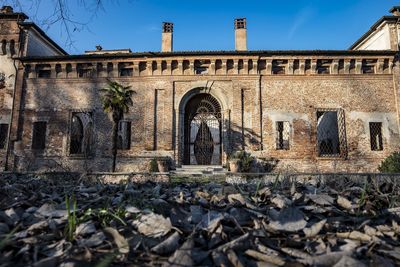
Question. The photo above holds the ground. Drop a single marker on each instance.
(69, 221)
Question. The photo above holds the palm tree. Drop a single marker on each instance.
(116, 99)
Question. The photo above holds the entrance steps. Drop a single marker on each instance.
(199, 170)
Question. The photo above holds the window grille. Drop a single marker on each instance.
(81, 136)
(124, 135)
(3, 135)
(282, 135)
(39, 135)
(375, 131)
(331, 133)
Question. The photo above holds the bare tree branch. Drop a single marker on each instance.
(61, 13)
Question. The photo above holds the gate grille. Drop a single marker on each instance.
(202, 131)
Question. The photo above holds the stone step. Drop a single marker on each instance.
(199, 170)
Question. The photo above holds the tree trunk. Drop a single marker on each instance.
(117, 115)
(114, 144)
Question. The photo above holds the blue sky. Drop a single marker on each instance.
(208, 25)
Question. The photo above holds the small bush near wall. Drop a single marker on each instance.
(153, 165)
(391, 164)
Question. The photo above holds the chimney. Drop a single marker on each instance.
(6, 10)
(167, 30)
(395, 11)
(240, 34)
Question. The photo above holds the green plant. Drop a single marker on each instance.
(105, 215)
(6, 239)
(390, 164)
(245, 160)
(70, 228)
(153, 165)
(116, 99)
(275, 184)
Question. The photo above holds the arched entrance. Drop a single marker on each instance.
(202, 131)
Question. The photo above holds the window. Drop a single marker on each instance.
(85, 70)
(375, 132)
(43, 71)
(3, 47)
(279, 66)
(3, 135)
(125, 69)
(124, 135)
(39, 135)
(282, 135)
(331, 134)
(81, 133)
(368, 66)
(201, 67)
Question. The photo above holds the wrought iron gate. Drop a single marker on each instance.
(202, 131)
(205, 138)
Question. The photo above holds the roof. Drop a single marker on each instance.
(111, 51)
(265, 53)
(14, 16)
(395, 8)
(44, 35)
(374, 27)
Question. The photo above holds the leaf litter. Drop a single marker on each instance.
(258, 223)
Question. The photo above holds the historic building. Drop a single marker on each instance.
(308, 111)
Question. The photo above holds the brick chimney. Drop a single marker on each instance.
(167, 37)
(240, 34)
(395, 11)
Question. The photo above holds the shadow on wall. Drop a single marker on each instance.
(246, 139)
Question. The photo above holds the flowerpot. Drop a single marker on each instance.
(234, 166)
(162, 165)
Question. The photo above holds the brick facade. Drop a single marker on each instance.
(255, 90)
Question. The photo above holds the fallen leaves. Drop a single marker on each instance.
(261, 223)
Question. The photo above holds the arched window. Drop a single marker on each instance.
(81, 133)
(76, 135)
(3, 47)
(12, 47)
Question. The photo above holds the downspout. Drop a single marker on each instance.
(21, 47)
(261, 112)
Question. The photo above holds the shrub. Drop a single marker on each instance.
(153, 165)
(391, 164)
(245, 160)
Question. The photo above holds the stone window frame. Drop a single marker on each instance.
(342, 133)
(92, 149)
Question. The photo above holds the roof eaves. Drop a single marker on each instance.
(265, 53)
(372, 29)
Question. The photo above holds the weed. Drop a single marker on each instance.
(105, 216)
(70, 228)
(4, 242)
(275, 184)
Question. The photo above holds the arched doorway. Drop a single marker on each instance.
(202, 131)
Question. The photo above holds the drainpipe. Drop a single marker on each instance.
(21, 47)
(261, 112)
